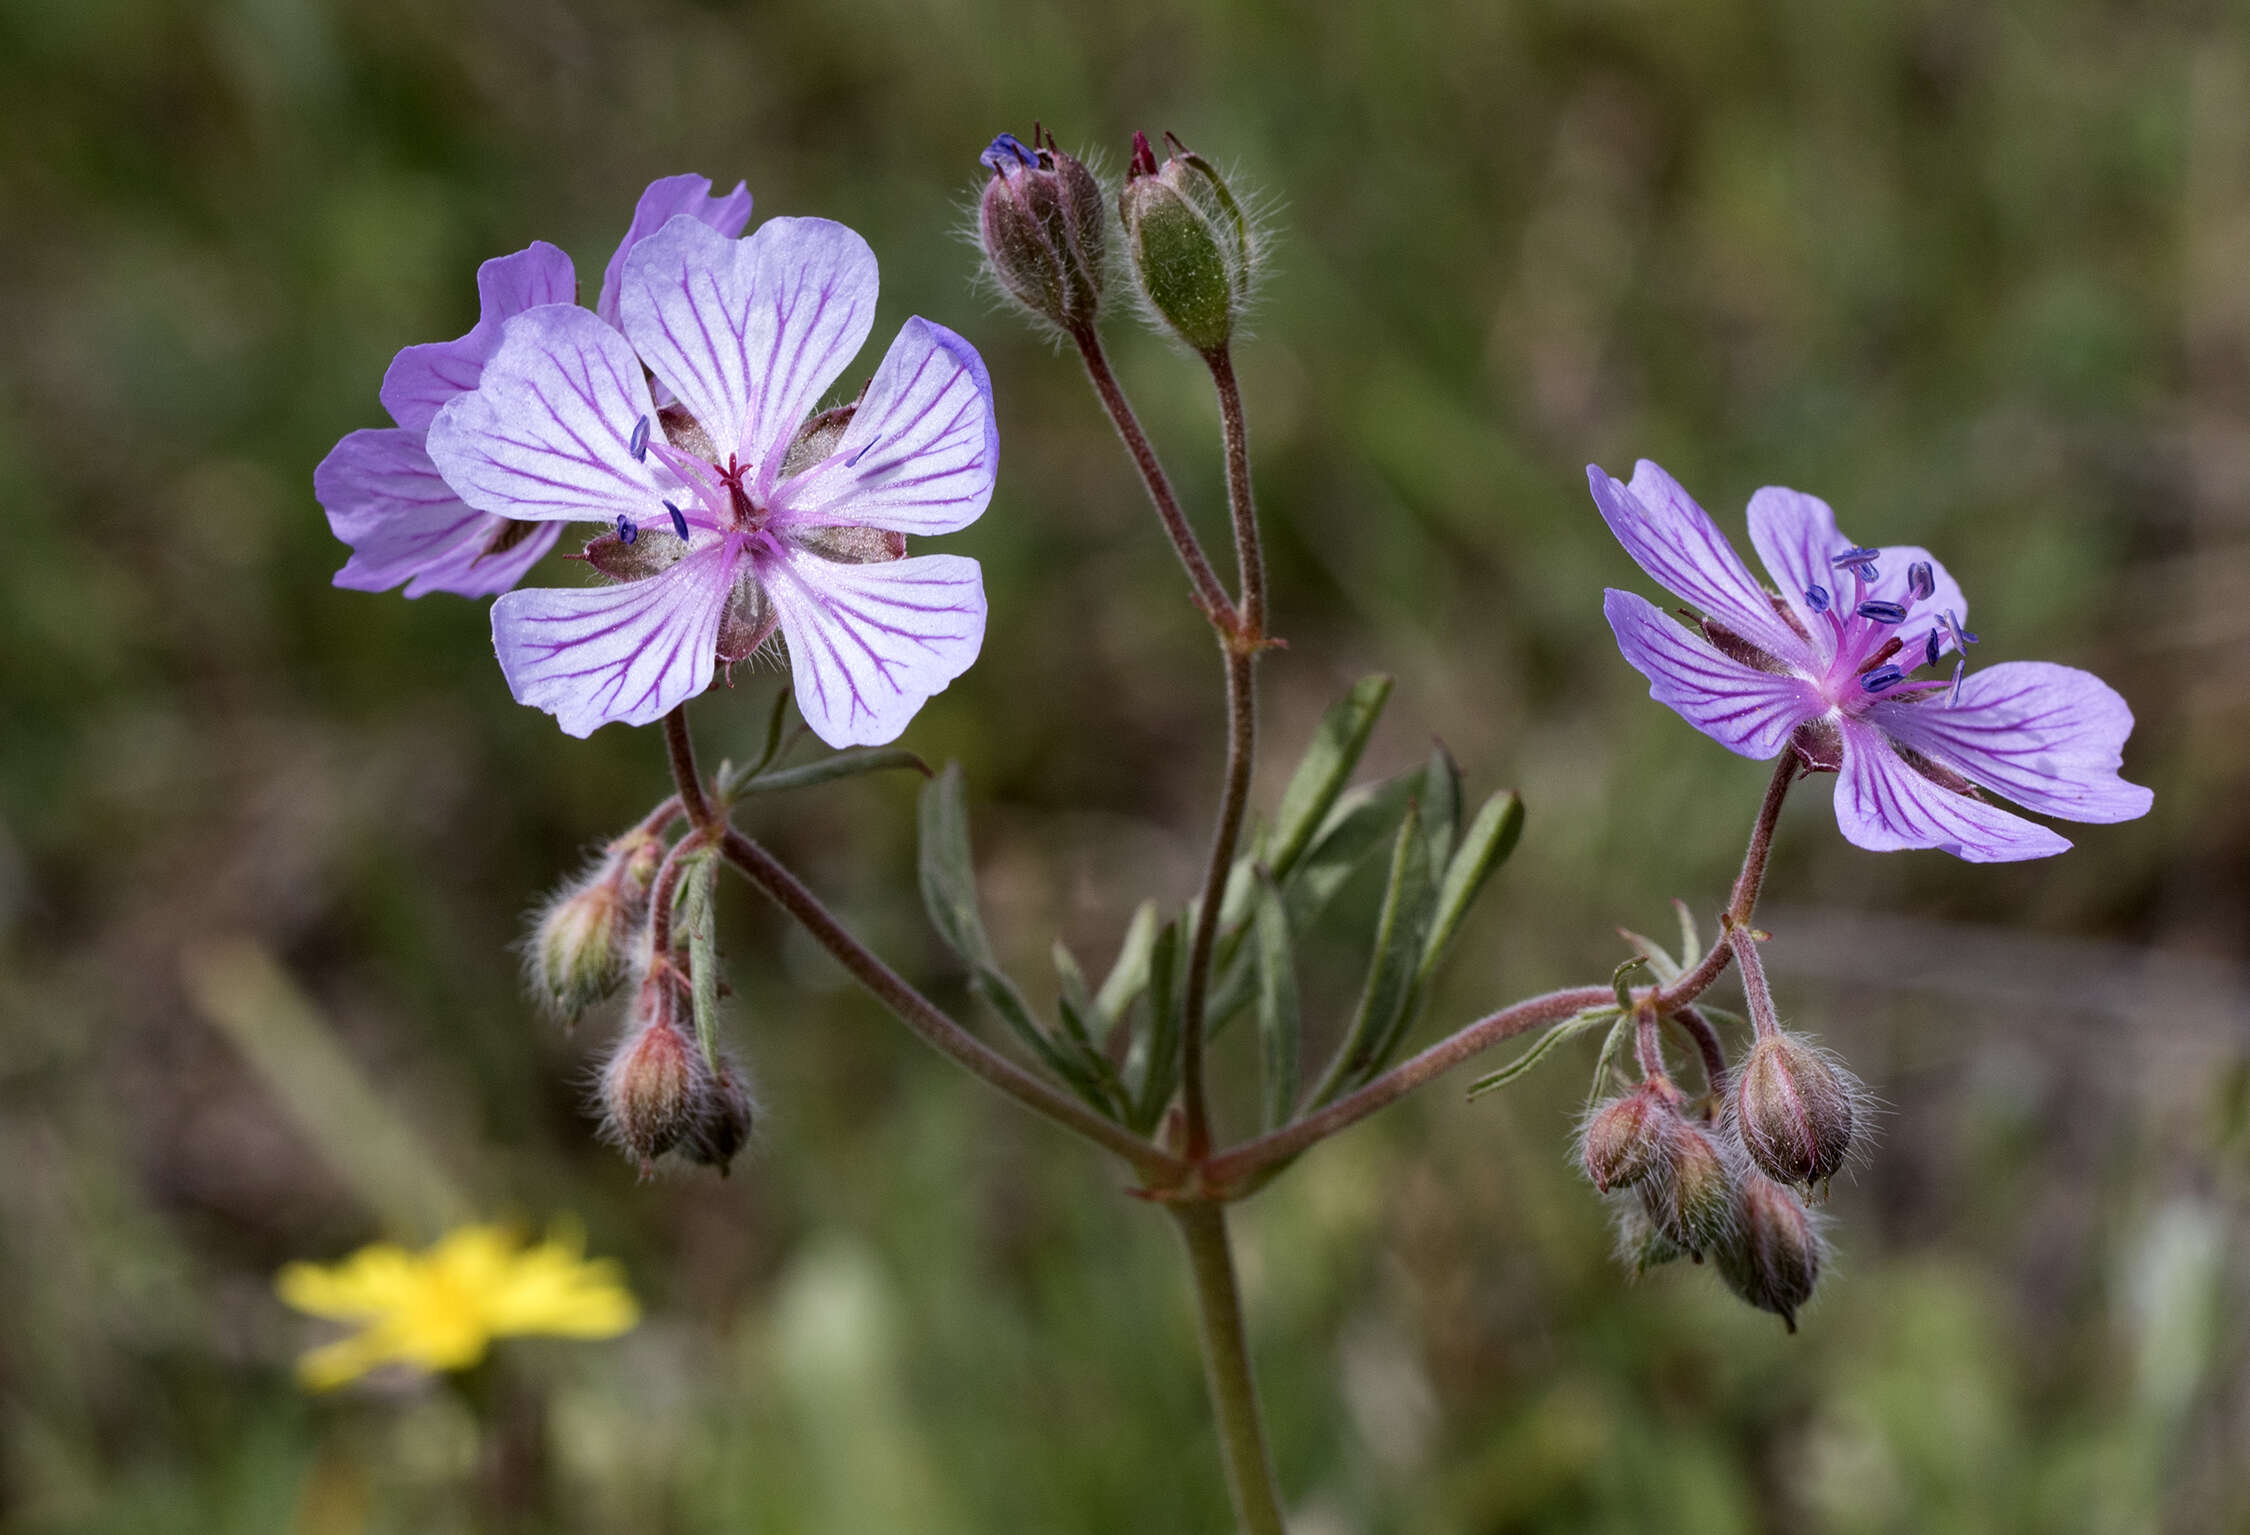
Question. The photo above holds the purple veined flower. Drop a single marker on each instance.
(383, 495)
(1825, 668)
(736, 510)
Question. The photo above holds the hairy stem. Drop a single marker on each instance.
(1691, 1022)
(930, 1024)
(1210, 596)
(1239, 1163)
(1234, 798)
(1226, 1367)
(1744, 942)
(1249, 555)
(1743, 900)
(681, 747)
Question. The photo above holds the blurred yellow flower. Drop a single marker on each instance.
(439, 1309)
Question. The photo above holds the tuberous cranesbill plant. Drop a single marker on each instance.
(741, 504)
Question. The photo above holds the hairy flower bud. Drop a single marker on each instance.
(1690, 1195)
(580, 943)
(655, 1089)
(1192, 249)
(1640, 1246)
(1040, 220)
(1794, 1110)
(1772, 1256)
(1623, 1140)
(723, 1119)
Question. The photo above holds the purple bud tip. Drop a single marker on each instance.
(1882, 677)
(1143, 162)
(627, 529)
(679, 521)
(1930, 649)
(1816, 598)
(1921, 579)
(1883, 612)
(1008, 153)
(639, 444)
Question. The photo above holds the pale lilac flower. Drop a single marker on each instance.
(734, 511)
(1825, 669)
(383, 495)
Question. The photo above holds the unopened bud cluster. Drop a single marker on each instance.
(1190, 248)
(660, 1091)
(1728, 1179)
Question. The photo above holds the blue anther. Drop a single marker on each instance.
(1008, 152)
(627, 529)
(1882, 677)
(860, 453)
(1883, 612)
(1958, 668)
(1921, 580)
(1859, 556)
(639, 444)
(1816, 598)
(1961, 636)
(679, 520)
(1930, 649)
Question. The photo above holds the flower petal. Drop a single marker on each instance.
(748, 333)
(422, 378)
(593, 655)
(1743, 709)
(921, 451)
(1884, 804)
(666, 199)
(870, 643)
(2048, 737)
(546, 435)
(1676, 542)
(404, 523)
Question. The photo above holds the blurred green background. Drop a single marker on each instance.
(1978, 274)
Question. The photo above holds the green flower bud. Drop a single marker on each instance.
(1794, 1110)
(1690, 1195)
(579, 948)
(1772, 1256)
(1041, 223)
(1191, 247)
(1623, 1140)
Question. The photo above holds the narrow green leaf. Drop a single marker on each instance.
(1128, 977)
(1660, 964)
(698, 912)
(1073, 979)
(777, 726)
(1491, 837)
(1000, 994)
(844, 764)
(1280, 1026)
(1691, 942)
(1320, 775)
(1607, 1060)
(1568, 1029)
(1440, 796)
(1158, 1050)
(1387, 1000)
(948, 874)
